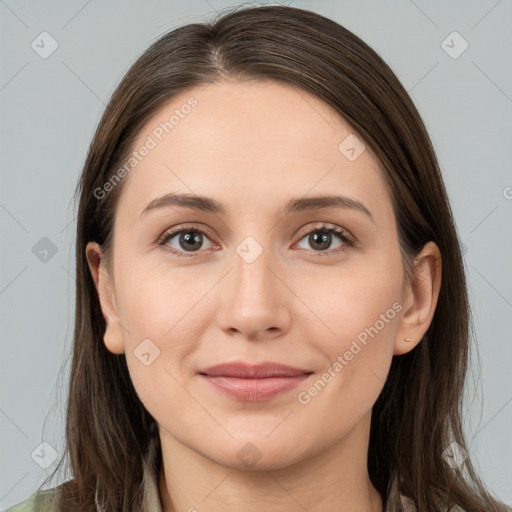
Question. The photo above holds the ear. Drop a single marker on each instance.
(113, 337)
(419, 298)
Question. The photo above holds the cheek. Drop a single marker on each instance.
(160, 303)
(171, 309)
(354, 303)
(359, 312)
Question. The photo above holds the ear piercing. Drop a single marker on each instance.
(408, 339)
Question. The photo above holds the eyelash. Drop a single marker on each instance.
(323, 227)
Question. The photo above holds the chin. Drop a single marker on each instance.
(258, 453)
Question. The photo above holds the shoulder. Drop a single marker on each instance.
(24, 506)
(40, 501)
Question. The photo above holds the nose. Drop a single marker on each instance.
(254, 301)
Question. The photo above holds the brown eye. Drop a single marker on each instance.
(321, 239)
(184, 241)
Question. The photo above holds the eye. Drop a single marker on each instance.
(189, 240)
(321, 238)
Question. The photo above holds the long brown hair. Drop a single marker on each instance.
(418, 413)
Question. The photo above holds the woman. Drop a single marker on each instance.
(271, 308)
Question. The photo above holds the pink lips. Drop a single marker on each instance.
(253, 383)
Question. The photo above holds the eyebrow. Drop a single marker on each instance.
(209, 205)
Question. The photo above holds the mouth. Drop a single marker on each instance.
(253, 383)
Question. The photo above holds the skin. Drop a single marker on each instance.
(253, 146)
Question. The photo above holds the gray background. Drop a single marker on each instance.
(51, 106)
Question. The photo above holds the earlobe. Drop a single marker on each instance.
(113, 336)
(420, 298)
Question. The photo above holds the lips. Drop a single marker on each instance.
(257, 371)
(253, 383)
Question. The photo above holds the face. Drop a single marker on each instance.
(316, 287)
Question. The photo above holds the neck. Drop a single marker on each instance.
(333, 480)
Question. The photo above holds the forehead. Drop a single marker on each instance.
(239, 140)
